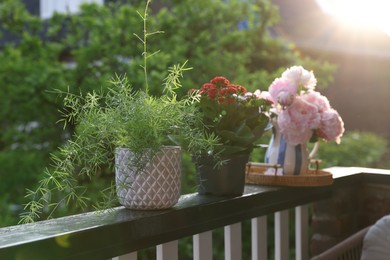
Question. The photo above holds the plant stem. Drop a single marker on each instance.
(145, 53)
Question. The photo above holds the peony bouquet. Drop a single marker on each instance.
(303, 114)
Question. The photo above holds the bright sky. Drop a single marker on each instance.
(361, 13)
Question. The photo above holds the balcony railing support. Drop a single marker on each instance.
(233, 244)
(281, 235)
(168, 251)
(259, 238)
(203, 246)
(121, 232)
(302, 232)
(129, 256)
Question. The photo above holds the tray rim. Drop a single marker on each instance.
(254, 174)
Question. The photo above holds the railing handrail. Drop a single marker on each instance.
(108, 234)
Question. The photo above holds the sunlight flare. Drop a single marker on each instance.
(360, 13)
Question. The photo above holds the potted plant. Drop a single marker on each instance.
(126, 131)
(231, 121)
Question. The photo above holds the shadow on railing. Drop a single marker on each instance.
(121, 233)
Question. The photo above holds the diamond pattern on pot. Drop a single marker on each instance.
(157, 187)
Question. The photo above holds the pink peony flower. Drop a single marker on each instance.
(298, 121)
(300, 110)
(331, 127)
(300, 76)
(282, 85)
(285, 98)
(320, 101)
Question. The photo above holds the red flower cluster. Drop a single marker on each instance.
(220, 89)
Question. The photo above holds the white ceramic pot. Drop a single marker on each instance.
(158, 186)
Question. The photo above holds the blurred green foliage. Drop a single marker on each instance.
(357, 149)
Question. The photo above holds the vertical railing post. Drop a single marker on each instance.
(168, 251)
(302, 232)
(233, 242)
(281, 235)
(259, 238)
(203, 246)
(129, 256)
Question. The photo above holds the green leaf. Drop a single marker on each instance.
(231, 149)
(243, 135)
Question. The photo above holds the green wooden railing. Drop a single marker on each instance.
(121, 231)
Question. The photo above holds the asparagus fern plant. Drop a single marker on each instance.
(120, 117)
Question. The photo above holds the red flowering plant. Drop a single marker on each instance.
(231, 117)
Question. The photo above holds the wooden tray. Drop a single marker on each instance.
(255, 175)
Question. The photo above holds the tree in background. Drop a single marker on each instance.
(82, 52)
